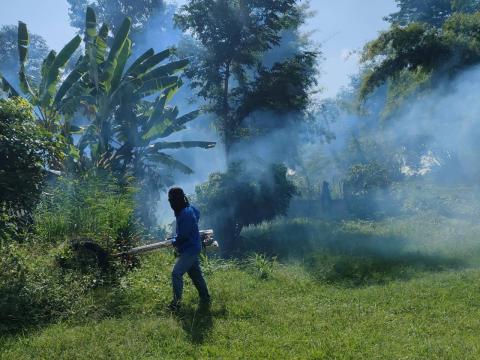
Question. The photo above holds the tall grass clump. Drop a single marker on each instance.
(94, 207)
(44, 277)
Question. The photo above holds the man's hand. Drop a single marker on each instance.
(179, 241)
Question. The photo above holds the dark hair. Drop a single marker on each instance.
(177, 193)
(178, 200)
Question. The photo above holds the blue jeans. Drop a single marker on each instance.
(188, 263)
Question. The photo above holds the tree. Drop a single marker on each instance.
(413, 57)
(113, 12)
(230, 74)
(432, 12)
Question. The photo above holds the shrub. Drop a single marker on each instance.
(49, 276)
(94, 207)
(34, 291)
(26, 150)
(365, 188)
(229, 201)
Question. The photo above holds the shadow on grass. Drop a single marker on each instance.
(197, 322)
(345, 254)
(364, 259)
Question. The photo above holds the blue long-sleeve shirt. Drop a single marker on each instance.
(187, 239)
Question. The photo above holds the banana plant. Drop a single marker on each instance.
(47, 95)
(126, 124)
(126, 106)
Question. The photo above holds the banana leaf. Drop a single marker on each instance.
(90, 25)
(54, 72)
(23, 42)
(154, 85)
(25, 85)
(179, 124)
(90, 46)
(170, 92)
(101, 44)
(73, 129)
(7, 87)
(121, 61)
(159, 112)
(47, 63)
(118, 43)
(149, 63)
(147, 54)
(165, 70)
(183, 144)
(71, 79)
(169, 161)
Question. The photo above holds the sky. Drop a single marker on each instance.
(340, 27)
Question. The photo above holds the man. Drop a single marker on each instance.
(188, 245)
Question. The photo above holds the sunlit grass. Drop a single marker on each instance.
(420, 302)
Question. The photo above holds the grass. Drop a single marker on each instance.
(303, 309)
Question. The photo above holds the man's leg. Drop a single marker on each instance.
(183, 263)
(195, 273)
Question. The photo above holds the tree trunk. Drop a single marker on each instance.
(228, 131)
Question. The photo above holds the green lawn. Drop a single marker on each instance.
(284, 310)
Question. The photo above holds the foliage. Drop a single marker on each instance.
(46, 95)
(34, 290)
(229, 73)
(124, 124)
(283, 88)
(432, 12)
(126, 106)
(136, 124)
(415, 47)
(364, 188)
(9, 53)
(414, 56)
(263, 267)
(94, 207)
(46, 89)
(48, 277)
(27, 151)
(362, 178)
(240, 197)
(129, 111)
(113, 12)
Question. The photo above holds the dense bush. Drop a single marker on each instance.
(34, 290)
(26, 150)
(365, 189)
(229, 201)
(48, 276)
(94, 207)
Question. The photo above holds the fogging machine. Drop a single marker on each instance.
(206, 237)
